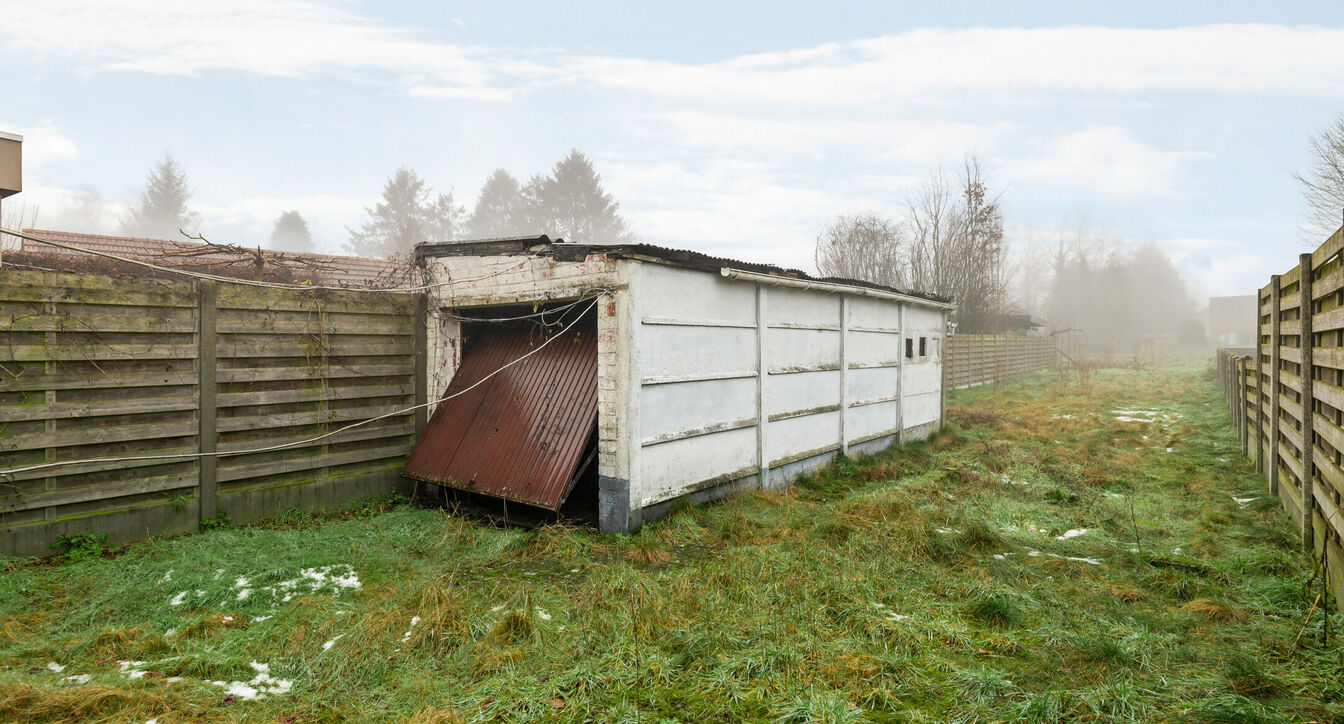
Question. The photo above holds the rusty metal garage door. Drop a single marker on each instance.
(521, 434)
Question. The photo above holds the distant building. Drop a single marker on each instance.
(1018, 324)
(1230, 321)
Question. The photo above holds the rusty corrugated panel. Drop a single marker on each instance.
(521, 434)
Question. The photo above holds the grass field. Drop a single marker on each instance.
(1067, 550)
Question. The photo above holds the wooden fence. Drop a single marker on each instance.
(1286, 399)
(102, 367)
(977, 359)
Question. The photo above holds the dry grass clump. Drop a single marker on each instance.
(77, 704)
(649, 552)
(1215, 610)
(432, 715)
(1127, 592)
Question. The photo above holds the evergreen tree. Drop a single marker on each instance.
(398, 222)
(291, 233)
(575, 207)
(497, 208)
(445, 219)
(162, 212)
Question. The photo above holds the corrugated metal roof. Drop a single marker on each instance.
(522, 433)
(570, 251)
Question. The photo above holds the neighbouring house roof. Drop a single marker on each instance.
(567, 251)
(353, 271)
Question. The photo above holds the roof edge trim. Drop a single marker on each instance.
(831, 287)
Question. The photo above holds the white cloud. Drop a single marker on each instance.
(43, 144)
(879, 141)
(1107, 160)
(735, 208)
(288, 38)
(930, 64)
(300, 38)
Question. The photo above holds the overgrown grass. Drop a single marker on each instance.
(943, 581)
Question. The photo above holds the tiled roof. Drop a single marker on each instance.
(338, 270)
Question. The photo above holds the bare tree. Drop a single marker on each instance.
(956, 245)
(863, 246)
(1323, 184)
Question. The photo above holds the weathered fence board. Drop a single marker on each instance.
(104, 367)
(1294, 402)
(977, 359)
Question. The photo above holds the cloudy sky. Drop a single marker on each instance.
(732, 128)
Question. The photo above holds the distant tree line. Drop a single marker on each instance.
(568, 202)
(1118, 301)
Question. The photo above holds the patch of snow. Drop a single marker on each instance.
(1243, 502)
(1072, 533)
(226, 619)
(168, 576)
(1092, 561)
(261, 685)
(1000, 556)
(946, 531)
(573, 570)
(260, 618)
(896, 616)
(541, 614)
(497, 609)
(53, 666)
(331, 643)
(1169, 449)
(179, 599)
(219, 573)
(170, 632)
(407, 636)
(1062, 417)
(1224, 460)
(79, 678)
(1034, 554)
(243, 594)
(132, 669)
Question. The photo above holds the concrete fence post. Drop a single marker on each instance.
(1305, 344)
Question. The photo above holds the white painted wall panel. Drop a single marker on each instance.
(870, 349)
(873, 384)
(801, 307)
(867, 421)
(683, 351)
(673, 410)
(694, 295)
(797, 349)
(801, 391)
(867, 313)
(788, 439)
(672, 468)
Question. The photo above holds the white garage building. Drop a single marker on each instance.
(713, 376)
